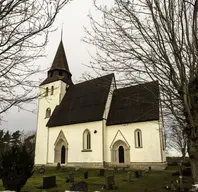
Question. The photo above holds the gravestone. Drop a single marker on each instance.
(129, 177)
(49, 182)
(41, 170)
(110, 182)
(86, 175)
(101, 172)
(137, 174)
(115, 169)
(79, 186)
(149, 168)
(77, 168)
(71, 178)
(58, 166)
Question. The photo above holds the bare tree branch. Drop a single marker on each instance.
(24, 29)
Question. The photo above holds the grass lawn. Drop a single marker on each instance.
(150, 182)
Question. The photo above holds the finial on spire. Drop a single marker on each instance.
(62, 32)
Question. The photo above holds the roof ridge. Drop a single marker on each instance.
(138, 85)
(111, 74)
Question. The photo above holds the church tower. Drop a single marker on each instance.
(52, 91)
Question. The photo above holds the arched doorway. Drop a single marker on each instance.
(121, 154)
(63, 154)
(61, 149)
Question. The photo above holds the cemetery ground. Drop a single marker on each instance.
(155, 181)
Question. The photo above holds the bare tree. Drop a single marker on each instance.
(177, 140)
(24, 29)
(154, 40)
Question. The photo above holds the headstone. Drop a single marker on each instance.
(41, 170)
(102, 172)
(140, 173)
(86, 175)
(49, 182)
(104, 164)
(129, 177)
(110, 182)
(71, 178)
(77, 168)
(58, 166)
(79, 186)
(137, 174)
(149, 168)
(67, 180)
(115, 169)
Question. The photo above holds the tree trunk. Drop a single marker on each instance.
(193, 154)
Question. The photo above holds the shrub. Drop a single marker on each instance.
(16, 167)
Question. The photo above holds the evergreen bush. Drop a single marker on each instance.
(16, 167)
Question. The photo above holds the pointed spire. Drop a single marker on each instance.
(60, 60)
(59, 69)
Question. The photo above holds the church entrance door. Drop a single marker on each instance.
(121, 154)
(63, 154)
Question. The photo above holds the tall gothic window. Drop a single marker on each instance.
(46, 91)
(52, 90)
(48, 113)
(86, 139)
(138, 138)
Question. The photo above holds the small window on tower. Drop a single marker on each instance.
(51, 73)
(46, 91)
(60, 73)
(48, 113)
(52, 90)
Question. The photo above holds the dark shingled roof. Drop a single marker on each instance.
(83, 102)
(135, 104)
(59, 69)
(60, 60)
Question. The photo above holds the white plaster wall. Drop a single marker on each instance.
(74, 136)
(42, 131)
(151, 151)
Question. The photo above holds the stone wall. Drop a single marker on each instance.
(141, 166)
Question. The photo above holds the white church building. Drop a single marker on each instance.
(95, 124)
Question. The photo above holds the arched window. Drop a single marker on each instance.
(52, 90)
(86, 139)
(46, 91)
(48, 113)
(138, 138)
